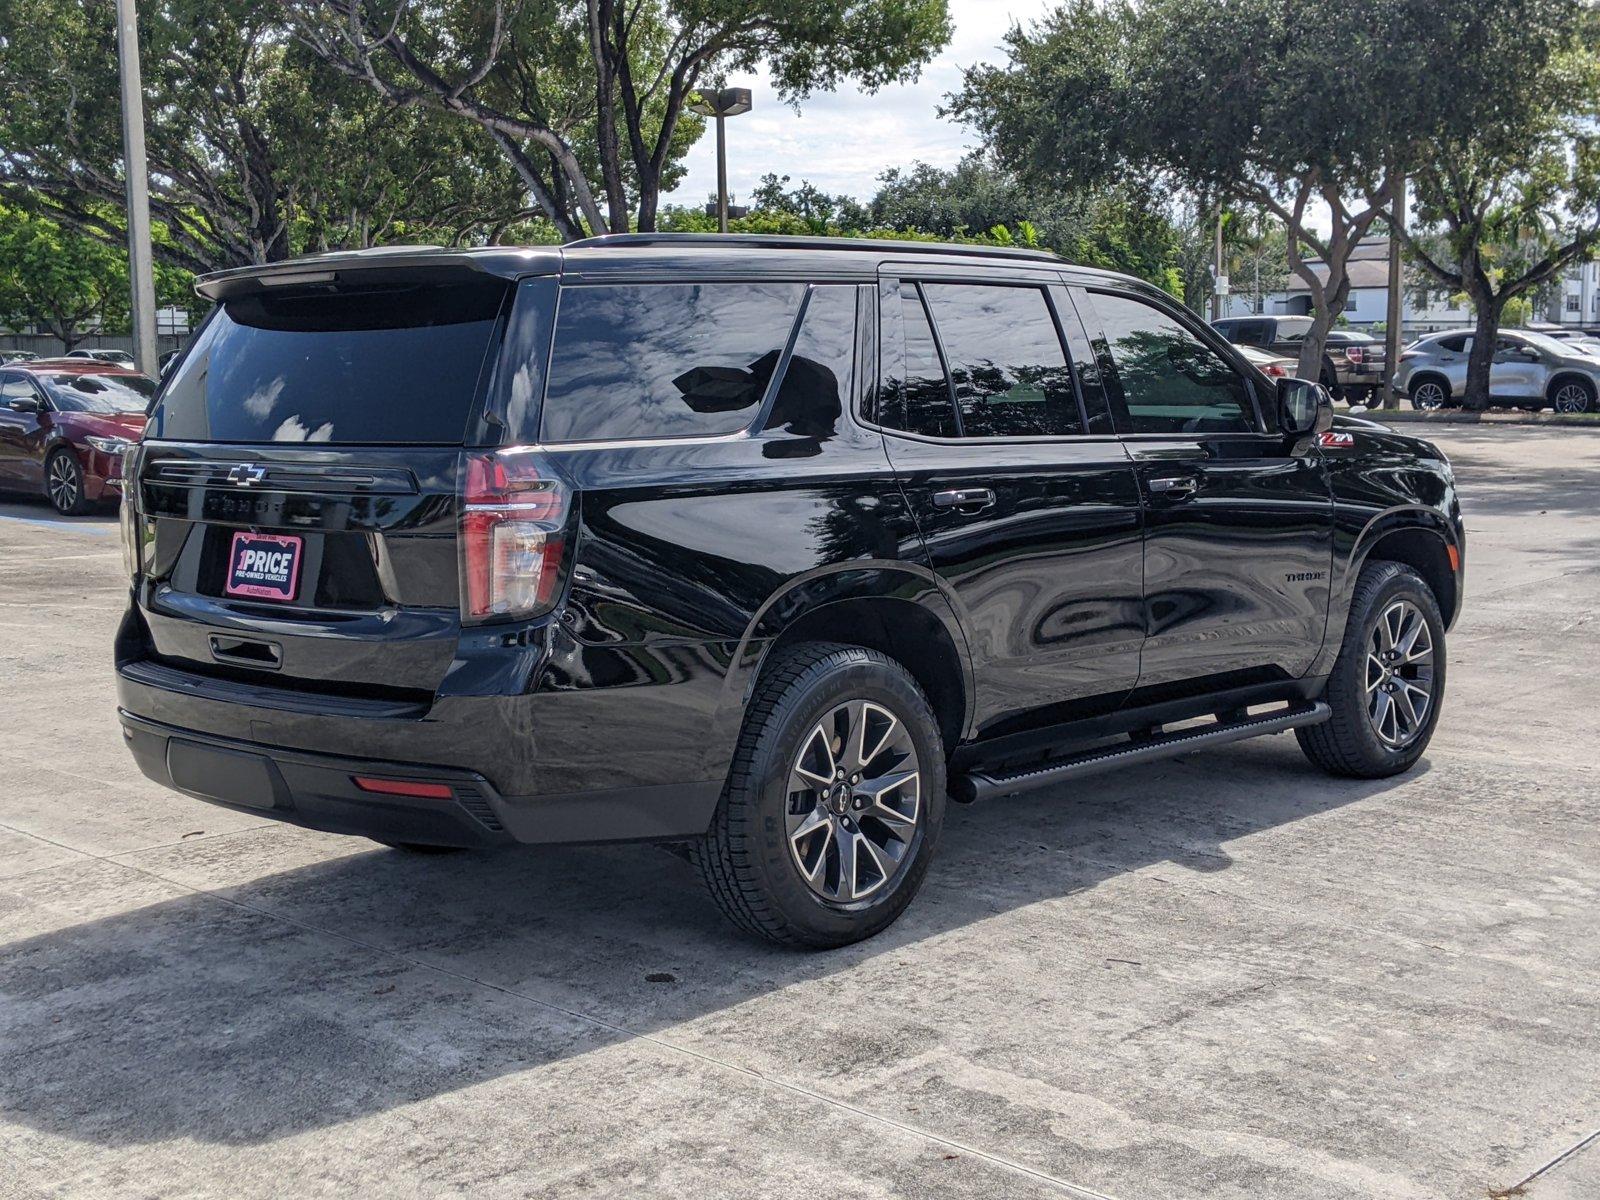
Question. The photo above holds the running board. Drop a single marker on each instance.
(985, 785)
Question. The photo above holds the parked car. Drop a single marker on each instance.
(16, 356)
(121, 357)
(761, 546)
(64, 427)
(1529, 369)
(1352, 362)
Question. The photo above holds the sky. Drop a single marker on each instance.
(841, 141)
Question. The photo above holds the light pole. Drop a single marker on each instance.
(136, 177)
(729, 102)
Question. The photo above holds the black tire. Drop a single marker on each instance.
(1349, 744)
(745, 857)
(1571, 394)
(1424, 389)
(63, 484)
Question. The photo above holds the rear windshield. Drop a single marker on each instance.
(396, 365)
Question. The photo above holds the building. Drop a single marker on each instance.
(1577, 300)
(1423, 310)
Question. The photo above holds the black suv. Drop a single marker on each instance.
(763, 547)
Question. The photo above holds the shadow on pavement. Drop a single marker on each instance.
(272, 1015)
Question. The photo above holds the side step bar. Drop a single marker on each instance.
(984, 785)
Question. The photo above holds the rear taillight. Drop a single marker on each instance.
(514, 509)
(1275, 370)
(128, 514)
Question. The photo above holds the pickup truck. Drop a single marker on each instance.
(1352, 362)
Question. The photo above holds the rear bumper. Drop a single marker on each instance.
(316, 791)
(319, 791)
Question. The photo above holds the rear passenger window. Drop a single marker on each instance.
(928, 409)
(1006, 362)
(1459, 344)
(1171, 381)
(664, 360)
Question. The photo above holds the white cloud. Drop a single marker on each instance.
(841, 141)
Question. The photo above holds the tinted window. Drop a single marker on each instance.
(1171, 381)
(104, 394)
(1458, 344)
(926, 406)
(664, 360)
(1006, 362)
(816, 385)
(396, 365)
(15, 387)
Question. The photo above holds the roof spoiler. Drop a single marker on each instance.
(369, 268)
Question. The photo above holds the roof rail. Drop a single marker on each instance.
(775, 241)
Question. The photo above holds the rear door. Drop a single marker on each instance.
(300, 473)
(1028, 507)
(1238, 520)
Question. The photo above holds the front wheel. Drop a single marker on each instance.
(1573, 396)
(833, 803)
(63, 481)
(1388, 681)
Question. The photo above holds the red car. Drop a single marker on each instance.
(64, 425)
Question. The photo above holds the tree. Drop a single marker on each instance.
(55, 279)
(1508, 194)
(1262, 116)
(257, 152)
(588, 101)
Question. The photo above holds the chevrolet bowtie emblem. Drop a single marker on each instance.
(246, 474)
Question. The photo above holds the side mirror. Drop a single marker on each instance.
(24, 405)
(1304, 407)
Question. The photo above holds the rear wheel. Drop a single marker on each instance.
(1429, 395)
(1388, 681)
(834, 801)
(63, 481)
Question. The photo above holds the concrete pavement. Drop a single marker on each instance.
(1222, 976)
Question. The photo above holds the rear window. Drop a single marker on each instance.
(396, 365)
(664, 360)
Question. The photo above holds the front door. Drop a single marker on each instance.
(19, 432)
(1519, 371)
(1238, 521)
(1026, 501)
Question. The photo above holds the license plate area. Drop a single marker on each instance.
(264, 566)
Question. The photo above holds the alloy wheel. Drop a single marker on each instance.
(1572, 397)
(63, 483)
(1429, 396)
(1399, 677)
(854, 802)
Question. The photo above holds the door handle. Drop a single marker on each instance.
(965, 499)
(1175, 487)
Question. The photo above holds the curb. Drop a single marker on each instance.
(1405, 417)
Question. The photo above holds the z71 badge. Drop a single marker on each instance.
(1333, 439)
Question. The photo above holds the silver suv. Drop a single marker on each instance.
(1531, 370)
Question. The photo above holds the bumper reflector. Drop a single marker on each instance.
(403, 787)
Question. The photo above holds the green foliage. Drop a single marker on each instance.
(257, 152)
(57, 279)
(1508, 190)
(973, 203)
(588, 102)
